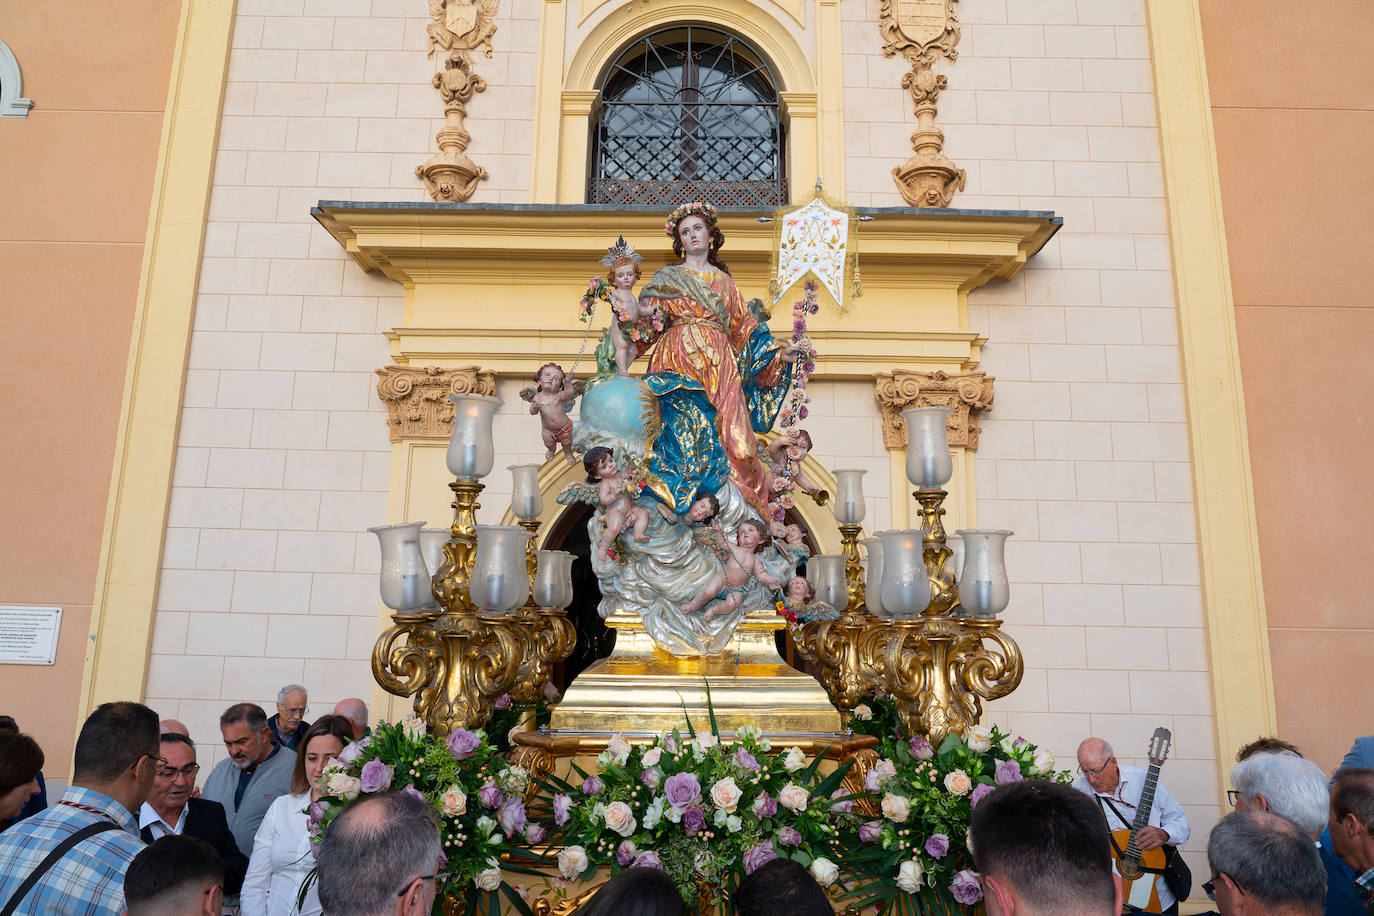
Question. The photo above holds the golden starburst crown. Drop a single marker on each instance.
(695, 208)
(621, 249)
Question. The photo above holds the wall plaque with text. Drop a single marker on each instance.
(28, 635)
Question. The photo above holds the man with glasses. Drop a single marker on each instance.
(1116, 790)
(1264, 865)
(380, 857)
(289, 723)
(171, 811)
(71, 858)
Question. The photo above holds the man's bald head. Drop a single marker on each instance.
(1097, 760)
(355, 711)
(1094, 752)
(379, 856)
(174, 727)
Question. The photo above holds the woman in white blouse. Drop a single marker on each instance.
(281, 850)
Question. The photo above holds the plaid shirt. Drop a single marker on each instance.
(90, 877)
(1365, 886)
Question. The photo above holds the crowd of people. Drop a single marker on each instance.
(132, 833)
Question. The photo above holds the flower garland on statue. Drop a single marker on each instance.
(916, 842)
(795, 409)
(478, 800)
(598, 291)
(704, 812)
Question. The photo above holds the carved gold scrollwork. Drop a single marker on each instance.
(536, 761)
(967, 394)
(416, 397)
(414, 666)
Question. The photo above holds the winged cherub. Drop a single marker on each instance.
(740, 565)
(550, 398)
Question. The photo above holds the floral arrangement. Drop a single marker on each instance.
(478, 800)
(598, 291)
(917, 841)
(795, 410)
(705, 812)
(695, 208)
(643, 329)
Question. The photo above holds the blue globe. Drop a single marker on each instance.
(614, 409)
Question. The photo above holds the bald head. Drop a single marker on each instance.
(355, 711)
(379, 856)
(1097, 760)
(173, 727)
(1094, 752)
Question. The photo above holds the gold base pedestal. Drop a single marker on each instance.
(642, 690)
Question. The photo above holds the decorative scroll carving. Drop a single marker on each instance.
(923, 31)
(416, 398)
(457, 27)
(967, 393)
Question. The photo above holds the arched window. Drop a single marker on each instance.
(688, 113)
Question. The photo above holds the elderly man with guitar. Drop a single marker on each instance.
(1143, 817)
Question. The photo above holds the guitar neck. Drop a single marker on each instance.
(1142, 812)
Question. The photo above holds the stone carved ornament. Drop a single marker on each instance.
(456, 27)
(416, 397)
(923, 31)
(968, 394)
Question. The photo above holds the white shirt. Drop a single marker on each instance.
(1166, 812)
(148, 817)
(280, 862)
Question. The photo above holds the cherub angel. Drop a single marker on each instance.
(740, 565)
(633, 324)
(797, 605)
(614, 491)
(550, 398)
(787, 453)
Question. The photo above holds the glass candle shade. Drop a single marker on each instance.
(873, 575)
(565, 575)
(905, 586)
(929, 465)
(549, 589)
(432, 541)
(404, 578)
(955, 564)
(526, 502)
(849, 496)
(500, 579)
(471, 451)
(983, 587)
(826, 575)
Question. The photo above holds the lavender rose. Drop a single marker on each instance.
(648, 859)
(625, 853)
(376, 776)
(652, 777)
(317, 812)
(756, 856)
(789, 836)
(965, 888)
(870, 832)
(535, 833)
(511, 817)
(682, 789)
(561, 804)
(462, 743)
(502, 702)
(980, 792)
(1007, 771)
(937, 846)
(490, 796)
(765, 806)
(921, 749)
(414, 793)
(841, 807)
(693, 820)
(592, 785)
(746, 760)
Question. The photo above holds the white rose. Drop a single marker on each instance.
(863, 713)
(978, 738)
(1043, 763)
(793, 797)
(515, 780)
(489, 879)
(719, 818)
(885, 767)
(620, 817)
(572, 861)
(454, 801)
(896, 808)
(824, 871)
(725, 794)
(958, 783)
(652, 756)
(414, 726)
(733, 823)
(909, 876)
(794, 760)
(619, 748)
(344, 786)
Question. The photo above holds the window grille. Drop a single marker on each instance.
(689, 113)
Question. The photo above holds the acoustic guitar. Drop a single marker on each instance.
(1142, 872)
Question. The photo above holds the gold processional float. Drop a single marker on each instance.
(492, 619)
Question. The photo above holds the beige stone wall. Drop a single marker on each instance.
(1085, 452)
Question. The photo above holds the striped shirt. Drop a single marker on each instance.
(89, 879)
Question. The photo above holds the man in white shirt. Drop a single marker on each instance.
(1118, 787)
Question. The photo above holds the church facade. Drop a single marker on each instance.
(274, 207)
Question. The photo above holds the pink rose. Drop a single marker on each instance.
(511, 817)
(561, 804)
